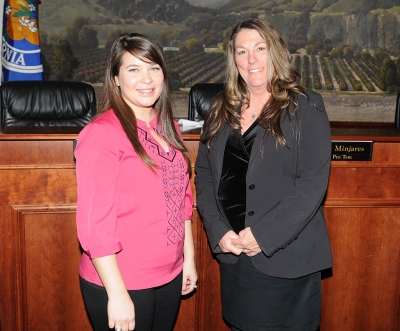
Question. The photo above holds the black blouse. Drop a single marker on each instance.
(232, 186)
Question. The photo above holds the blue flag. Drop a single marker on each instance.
(21, 57)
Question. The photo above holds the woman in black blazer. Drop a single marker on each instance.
(261, 176)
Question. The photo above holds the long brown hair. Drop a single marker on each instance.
(145, 49)
(282, 83)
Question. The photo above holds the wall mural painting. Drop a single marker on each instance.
(337, 45)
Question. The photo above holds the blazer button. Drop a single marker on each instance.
(252, 187)
(251, 213)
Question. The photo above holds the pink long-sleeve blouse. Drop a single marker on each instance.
(126, 209)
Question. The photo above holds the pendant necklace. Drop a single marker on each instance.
(252, 116)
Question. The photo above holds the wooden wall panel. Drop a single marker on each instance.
(187, 319)
(375, 182)
(39, 247)
(8, 256)
(53, 153)
(353, 184)
(37, 186)
(208, 313)
(209, 291)
(39, 250)
(49, 255)
(396, 320)
(361, 294)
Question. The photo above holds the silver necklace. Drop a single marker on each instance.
(253, 116)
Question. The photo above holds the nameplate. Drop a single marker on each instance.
(346, 150)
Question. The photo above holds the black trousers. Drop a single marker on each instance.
(156, 308)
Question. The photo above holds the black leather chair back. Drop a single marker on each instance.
(397, 113)
(47, 103)
(201, 98)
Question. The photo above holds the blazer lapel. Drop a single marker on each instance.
(255, 149)
(217, 152)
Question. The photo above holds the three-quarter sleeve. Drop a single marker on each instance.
(97, 167)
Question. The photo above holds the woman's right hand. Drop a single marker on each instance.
(121, 312)
(226, 243)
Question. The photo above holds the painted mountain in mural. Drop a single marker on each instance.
(209, 3)
(359, 23)
(337, 6)
(321, 34)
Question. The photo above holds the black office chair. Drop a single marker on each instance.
(201, 98)
(397, 113)
(47, 103)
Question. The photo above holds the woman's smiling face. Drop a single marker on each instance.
(141, 82)
(251, 57)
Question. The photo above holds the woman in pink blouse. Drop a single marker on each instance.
(134, 197)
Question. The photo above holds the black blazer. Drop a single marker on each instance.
(285, 190)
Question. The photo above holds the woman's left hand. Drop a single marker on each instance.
(189, 279)
(247, 243)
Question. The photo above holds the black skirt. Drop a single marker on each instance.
(253, 301)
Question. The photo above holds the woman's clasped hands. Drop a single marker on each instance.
(244, 242)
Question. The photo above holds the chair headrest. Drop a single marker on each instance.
(47, 103)
(201, 98)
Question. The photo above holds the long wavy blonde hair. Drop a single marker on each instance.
(282, 83)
